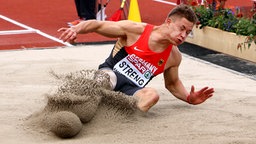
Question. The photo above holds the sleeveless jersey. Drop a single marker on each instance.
(137, 62)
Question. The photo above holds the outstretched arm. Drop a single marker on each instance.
(175, 86)
(122, 29)
(105, 28)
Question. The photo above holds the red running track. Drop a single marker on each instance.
(48, 16)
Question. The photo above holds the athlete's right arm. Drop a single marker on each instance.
(105, 28)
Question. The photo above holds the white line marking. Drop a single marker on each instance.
(166, 2)
(37, 31)
(10, 32)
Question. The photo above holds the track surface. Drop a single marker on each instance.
(43, 18)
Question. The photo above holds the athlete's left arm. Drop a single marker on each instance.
(176, 87)
(174, 84)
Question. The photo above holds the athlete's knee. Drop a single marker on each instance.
(112, 77)
(153, 95)
(102, 78)
(147, 97)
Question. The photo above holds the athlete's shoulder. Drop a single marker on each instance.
(176, 54)
(175, 57)
(128, 24)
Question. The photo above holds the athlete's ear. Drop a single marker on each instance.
(168, 20)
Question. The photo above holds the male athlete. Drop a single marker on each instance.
(144, 51)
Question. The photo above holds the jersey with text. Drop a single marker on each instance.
(141, 64)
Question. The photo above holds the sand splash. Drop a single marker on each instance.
(76, 101)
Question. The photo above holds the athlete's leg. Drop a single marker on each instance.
(113, 78)
(106, 75)
(147, 97)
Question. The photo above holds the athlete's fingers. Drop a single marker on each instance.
(70, 36)
(63, 35)
(73, 40)
(192, 89)
(208, 96)
(209, 91)
(62, 29)
(73, 36)
(202, 90)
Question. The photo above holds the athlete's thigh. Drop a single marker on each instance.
(113, 78)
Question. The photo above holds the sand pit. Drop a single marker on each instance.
(228, 117)
(76, 101)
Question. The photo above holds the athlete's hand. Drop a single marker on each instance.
(199, 96)
(68, 35)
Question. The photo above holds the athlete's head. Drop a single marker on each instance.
(183, 11)
(180, 22)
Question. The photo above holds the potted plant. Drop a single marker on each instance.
(224, 30)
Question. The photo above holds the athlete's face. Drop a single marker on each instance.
(179, 29)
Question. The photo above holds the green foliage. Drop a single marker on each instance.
(203, 15)
(245, 27)
(226, 20)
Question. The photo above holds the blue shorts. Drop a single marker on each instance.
(125, 85)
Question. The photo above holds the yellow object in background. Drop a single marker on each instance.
(134, 12)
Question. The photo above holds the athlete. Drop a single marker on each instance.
(144, 51)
